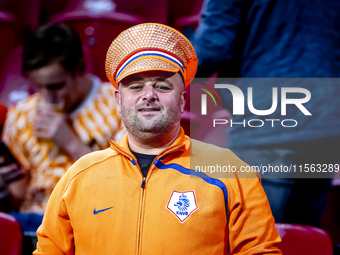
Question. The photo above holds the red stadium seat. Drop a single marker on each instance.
(8, 25)
(3, 111)
(158, 13)
(10, 235)
(187, 21)
(26, 13)
(303, 240)
(11, 80)
(97, 30)
(49, 8)
(184, 14)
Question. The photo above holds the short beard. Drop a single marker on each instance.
(153, 130)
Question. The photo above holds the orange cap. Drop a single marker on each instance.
(148, 47)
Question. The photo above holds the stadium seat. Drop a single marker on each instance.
(13, 86)
(26, 12)
(303, 240)
(187, 21)
(3, 112)
(183, 14)
(97, 30)
(8, 25)
(158, 13)
(10, 235)
(49, 8)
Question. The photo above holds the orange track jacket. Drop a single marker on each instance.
(103, 206)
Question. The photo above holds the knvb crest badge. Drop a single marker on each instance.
(182, 204)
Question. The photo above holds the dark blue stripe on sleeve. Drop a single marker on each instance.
(201, 175)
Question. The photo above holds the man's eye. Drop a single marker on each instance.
(164, 88)
(136, 87)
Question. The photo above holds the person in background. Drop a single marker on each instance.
(280, 39)
(70, 115)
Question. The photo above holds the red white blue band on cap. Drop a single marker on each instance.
(148, 53)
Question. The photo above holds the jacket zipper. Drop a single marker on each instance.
(141, 211)
(140, 217)
(143, 184)
(140, 225)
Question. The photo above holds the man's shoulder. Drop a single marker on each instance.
(86, 168)
(220, 163)
(91, 161)
(202, 149)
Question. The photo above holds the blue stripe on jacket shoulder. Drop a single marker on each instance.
(201, 175)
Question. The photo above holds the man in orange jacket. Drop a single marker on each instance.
(141, 196)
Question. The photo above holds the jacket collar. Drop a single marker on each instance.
(181, 143)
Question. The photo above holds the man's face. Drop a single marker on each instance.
(57, 86)
(151, 102)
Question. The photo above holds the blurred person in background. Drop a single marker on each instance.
(279, 39)
(71, 114)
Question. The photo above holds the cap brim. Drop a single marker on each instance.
(145, 65)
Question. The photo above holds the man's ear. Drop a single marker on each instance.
(118, 98)
(183, 100)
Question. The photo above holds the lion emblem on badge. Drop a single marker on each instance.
(183, 203)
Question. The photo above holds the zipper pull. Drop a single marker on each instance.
(143, 183)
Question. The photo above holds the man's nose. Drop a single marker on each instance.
(150, 94)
